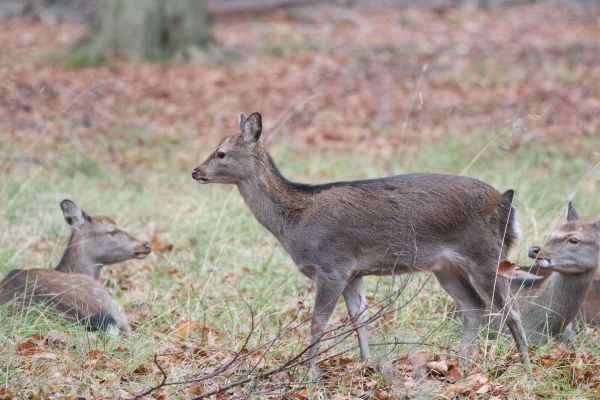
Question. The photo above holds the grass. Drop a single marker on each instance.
(221, 254)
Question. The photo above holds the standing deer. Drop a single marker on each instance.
(456, 227)
(72, 288)
(568, 261)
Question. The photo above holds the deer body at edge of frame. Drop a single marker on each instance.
(569, 261)
(456, 227)
(72, 288)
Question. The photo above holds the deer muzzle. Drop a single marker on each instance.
(199, 176)
(143, 252)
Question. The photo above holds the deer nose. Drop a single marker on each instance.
(195, 173)
(147, 247)
(534, 251)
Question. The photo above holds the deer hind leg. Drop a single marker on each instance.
(484, 278)
(328, 292)
(471, 304)
(356, 302)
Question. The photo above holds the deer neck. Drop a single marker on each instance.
(563, 296)
(274, 201)
(74, 260)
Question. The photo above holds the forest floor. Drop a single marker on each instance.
(510, 96)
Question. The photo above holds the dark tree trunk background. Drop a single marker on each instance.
(148, 30)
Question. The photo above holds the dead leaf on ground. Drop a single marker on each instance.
(195, 390)
(381, 394)
(114, 363)
(301, 394)
(6, 394)
(483, 389)
(158, 246)
(96, 355)
(141, 370)
(455, 371)
(35, 344)
(338, 363)
(185, 327)
(437, 368)
(548, 361)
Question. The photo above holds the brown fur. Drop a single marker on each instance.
(590, 310)
(72, 288)
(571, 277)
(456, 227)
(78, 297)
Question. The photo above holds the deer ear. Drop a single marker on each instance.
(572, 214)
(508, 195)
(251, 128)
(242, 120)
(73, 214)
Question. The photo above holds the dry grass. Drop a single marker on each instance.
(504, 98)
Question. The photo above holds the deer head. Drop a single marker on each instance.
(573, 248)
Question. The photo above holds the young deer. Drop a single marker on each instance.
(456, 227)
(72, 288)
(569, 260)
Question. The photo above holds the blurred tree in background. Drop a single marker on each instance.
(147, 30)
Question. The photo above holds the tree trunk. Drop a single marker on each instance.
(147, 30)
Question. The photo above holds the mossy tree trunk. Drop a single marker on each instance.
(147, 30)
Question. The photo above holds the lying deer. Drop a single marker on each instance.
(456, 227)
(72, 288)
(568, 262)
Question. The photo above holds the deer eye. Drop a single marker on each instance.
(573, 241)
(113, 233)
(220, 154)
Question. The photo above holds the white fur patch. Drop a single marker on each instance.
(543, 263)
(516, 225)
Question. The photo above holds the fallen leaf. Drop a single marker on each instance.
(437, 367)
(114, 363)
(141, 370)
(507, 269)
(200, 354)
(195, 390)
(548, 361)
(121, 349)
(300, 395)
(28, 348)
(483, 389)
(158, 246)
(6, 394)
(35, 344)
(381, 394)
(98, 355)
(177, 358)
(455, 371)
(184, 327)
(148, 267)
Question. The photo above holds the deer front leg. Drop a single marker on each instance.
(328, 292)
(356, 302)
(567, 336)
